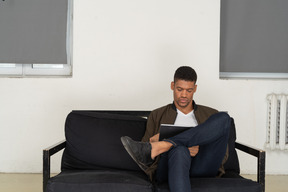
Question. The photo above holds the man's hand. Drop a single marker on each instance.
(193, 150)
(154, 138)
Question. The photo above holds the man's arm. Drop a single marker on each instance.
(151, 129)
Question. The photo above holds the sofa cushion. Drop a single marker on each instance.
(93, 140)
(100, 181)
(218, 184)
(232, 163)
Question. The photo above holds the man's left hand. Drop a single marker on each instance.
(193, 150)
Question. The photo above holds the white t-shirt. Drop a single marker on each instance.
(188, 120)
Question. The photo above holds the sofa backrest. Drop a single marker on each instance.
(93, 140)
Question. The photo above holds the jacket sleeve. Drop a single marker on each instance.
(151, 128)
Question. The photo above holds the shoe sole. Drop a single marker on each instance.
(125, 142)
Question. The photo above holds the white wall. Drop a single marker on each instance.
(125, 54)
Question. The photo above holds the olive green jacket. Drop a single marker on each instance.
(167, 115)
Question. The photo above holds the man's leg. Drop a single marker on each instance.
(216, 127)
(179, 166)
(212, 136)
(174, 167)
(179, 163)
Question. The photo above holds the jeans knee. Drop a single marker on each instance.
(224, 116)
(179, 152)
(179, 159)
(225, 119)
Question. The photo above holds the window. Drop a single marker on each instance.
(254, 39)
(36, 38)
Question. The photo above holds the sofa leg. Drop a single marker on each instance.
(261, 170)
(46, 169)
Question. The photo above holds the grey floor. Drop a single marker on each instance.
(33, 182)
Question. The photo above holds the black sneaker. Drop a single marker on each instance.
(139, 151)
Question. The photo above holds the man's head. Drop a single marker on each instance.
(185, 73)
(184, 86)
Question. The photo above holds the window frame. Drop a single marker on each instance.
(245, 48)
(45, 70)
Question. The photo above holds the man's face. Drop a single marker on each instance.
(183, 92)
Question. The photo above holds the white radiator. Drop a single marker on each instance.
(277, 122)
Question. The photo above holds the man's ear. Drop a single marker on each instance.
(172, 85)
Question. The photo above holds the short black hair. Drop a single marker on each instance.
(185, 73)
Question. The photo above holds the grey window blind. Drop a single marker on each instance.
(254, 38)
(33, 31)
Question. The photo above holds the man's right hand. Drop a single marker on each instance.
(154, 138)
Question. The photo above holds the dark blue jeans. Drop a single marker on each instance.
(177, 166)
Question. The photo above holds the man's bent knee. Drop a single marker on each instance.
(180, 153)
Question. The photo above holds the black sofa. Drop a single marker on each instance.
(94, 159)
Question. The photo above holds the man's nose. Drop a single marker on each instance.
(184, 93)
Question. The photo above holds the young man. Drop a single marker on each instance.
(198, 152)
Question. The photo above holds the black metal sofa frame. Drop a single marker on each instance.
(50, 151)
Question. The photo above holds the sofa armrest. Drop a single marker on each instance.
(47, 153)
(260, 154)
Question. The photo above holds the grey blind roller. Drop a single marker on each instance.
(33, 31)
(254, 36)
